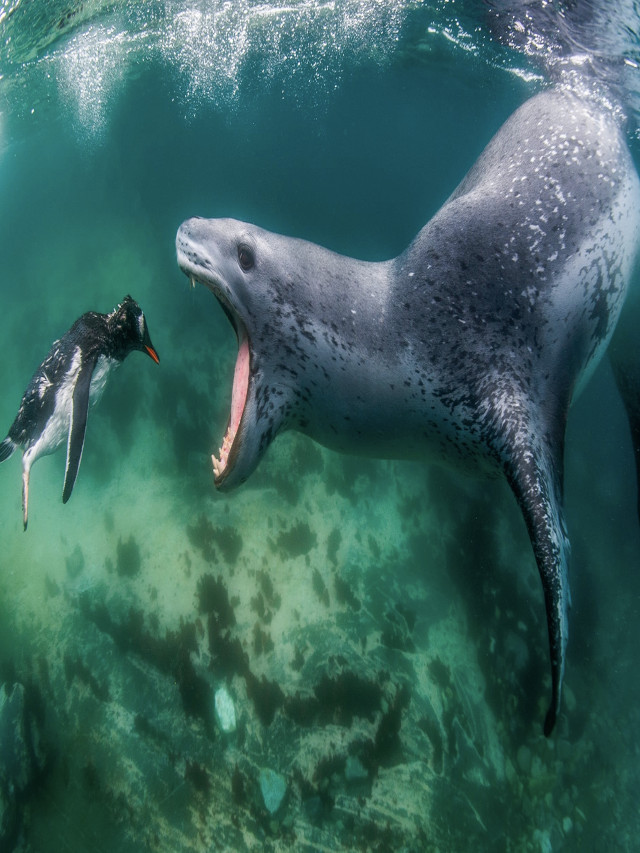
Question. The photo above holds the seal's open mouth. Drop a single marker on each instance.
(224, 461)
(230, 442)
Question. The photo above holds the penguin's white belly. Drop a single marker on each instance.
(56, 429)
(103, 369)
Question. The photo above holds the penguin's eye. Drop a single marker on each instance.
(246, 258)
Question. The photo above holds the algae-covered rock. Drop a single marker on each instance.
(128, 561)
(354, 770)
(21, 759)
(273, 787)
(15, 768)
(75, 562)
(225, 710)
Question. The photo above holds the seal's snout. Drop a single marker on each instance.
(194, 230)
(185, 235)
(189, 247)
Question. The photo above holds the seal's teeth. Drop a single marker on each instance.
(193, 282)
(220, 462)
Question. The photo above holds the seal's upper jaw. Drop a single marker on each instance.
(207, 255)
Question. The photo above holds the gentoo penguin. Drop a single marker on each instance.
(56, 403)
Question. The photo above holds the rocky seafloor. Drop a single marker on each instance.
(341, 655)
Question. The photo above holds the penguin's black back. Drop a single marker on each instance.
(87, 339)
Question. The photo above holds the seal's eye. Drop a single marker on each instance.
(245, 258)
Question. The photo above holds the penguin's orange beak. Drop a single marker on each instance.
(152, 353)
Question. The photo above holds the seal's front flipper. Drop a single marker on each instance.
(78, 426)
(534, 484)
(531, 456)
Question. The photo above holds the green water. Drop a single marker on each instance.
(388, 612)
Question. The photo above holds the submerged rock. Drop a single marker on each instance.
(354, 770)
(273, 787)
(225, 710)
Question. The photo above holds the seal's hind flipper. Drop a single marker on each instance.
(77, 427)
(532, 458)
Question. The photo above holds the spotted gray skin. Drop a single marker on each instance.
(471, 344)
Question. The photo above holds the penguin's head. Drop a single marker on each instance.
(128, 326)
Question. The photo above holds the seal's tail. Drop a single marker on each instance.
(571, 41)
(6, 448)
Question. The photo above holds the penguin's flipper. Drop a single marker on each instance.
(530, 445)
(6, 448)
(77, 427)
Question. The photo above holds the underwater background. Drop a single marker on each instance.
(375, 630)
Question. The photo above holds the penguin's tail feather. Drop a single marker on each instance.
(6, 448)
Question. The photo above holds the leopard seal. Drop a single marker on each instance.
(471, 344)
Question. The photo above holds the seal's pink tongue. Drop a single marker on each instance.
(240, 387)
(238, 400)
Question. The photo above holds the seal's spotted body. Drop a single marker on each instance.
(471, 343)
